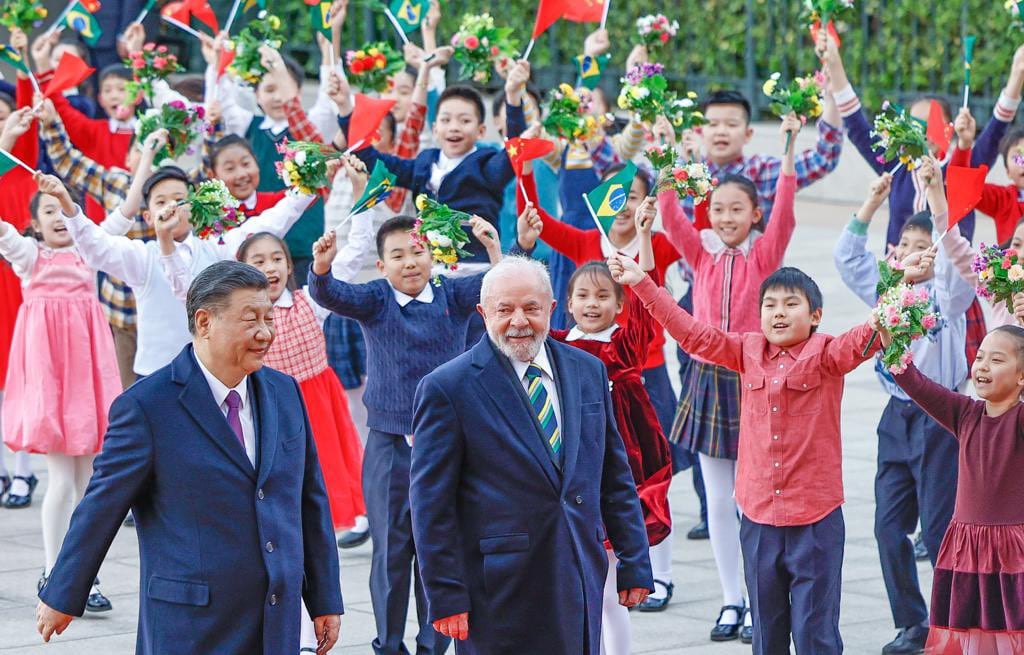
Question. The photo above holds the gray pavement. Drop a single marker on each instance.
(866, 624)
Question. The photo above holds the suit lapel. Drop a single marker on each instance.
(567, 379)
(266, 423)
(197, 399)
(497, 380)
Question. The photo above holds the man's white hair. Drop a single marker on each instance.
(515, 266)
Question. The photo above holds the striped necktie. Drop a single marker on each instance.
(543, 408)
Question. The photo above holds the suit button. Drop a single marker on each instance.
(273, 599)
(259, 494)
(579, 500)
(270, 546)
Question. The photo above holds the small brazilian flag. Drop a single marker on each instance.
(378, 187)
(606, 201)
(410, 13)
(80, 20)
(320, 17)
(13, 58)
(249, 4)
(590, 68)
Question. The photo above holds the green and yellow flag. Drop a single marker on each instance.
(13, 58)
(606, 201)
(320, 17)
(590, 68)
(410, 13)
(249, 4)
(80, 20)
(378, 187)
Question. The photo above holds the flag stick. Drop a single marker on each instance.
(522, 187)
(31, 75)
(967, 92)
(181, 26)
(397, 25)
(231, 16)
(60, 17)
(896, 170)
(593, 215)
(18, 161)
(355, 146)
(142, 14)
(529, 49)
(604, 14)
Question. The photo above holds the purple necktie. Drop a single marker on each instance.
(234, 400)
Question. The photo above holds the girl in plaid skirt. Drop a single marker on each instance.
(729, 261)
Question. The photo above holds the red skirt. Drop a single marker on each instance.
(337, 445)
(978, 591)
(10, 300)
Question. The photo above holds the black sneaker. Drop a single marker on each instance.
(698, 532)
(909, 641)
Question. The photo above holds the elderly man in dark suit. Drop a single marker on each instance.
(518, 476)
(214, 456)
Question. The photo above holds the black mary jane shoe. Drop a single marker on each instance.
(657, 604)
(747, 631)
(41, 582)
(5, 486)
(728, 631)
(352, 539)
(14, 501)
(98, 603)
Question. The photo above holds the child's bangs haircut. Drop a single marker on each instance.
(395, 224)
(642, 174)
(119, 71)
(746, 185)
(921, 221)
(294, 69)
(162, 175)
(252, 239)
(728, 97)
(467, 93)
(1016, 333)
(788, 278)
(1013, 136)
(226, 142)
(595, 271)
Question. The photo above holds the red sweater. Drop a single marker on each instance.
(582, 246)
(17, 186)
(1002, 203)
(264, 201)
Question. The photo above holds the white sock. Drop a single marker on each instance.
(724, 530)
(362, 524)
(661, 564)
(22, 469)
(616, 632)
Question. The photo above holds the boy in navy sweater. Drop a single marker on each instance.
(411, 326)
(459, 174)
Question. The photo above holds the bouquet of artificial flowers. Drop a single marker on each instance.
(1000, 273)
(823, 11)
(370, 66)
(905, 311)
(802, 97)
(479, 45)
(304, 167)
(900, 137)
(690, 180)
(568, 114)
(183, 123)
(151, 63)
(439, 229)
(248, 63)
(645, 92)
(214, 209)
(22, 14)
(656, 29)
(684, 113)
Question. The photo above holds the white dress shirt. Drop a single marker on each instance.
(426, 296)
(604, 335)
(220, 394)
(443, 166)
(547, 378)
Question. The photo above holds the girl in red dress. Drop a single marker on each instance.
(977, 603)
(595, 303)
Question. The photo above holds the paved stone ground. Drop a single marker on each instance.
(866, 622)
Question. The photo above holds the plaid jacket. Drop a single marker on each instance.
(109, 186)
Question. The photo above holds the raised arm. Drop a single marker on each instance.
(847, 351)
(857, 267)
(124, 258)
(20, 251)
(358, 301)
(946, 407)
(74, 167)
(681, 232)
(562, 237)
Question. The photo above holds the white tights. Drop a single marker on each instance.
(66, 481)
(724, 528)
(616, 633)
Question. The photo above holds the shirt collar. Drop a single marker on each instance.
(541, 360)
(604, 335)
(446, 163)
(631, 249)
(735, 167)
(285, 300)
(250, 202)
(220, 390)
(121, 126)
(426, 296)
(715, 247)
(275, 127)
(793, 351)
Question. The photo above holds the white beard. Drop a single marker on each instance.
(519, 352)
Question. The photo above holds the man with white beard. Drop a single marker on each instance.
(517, 472)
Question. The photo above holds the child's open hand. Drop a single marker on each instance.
(528, 227)
(324, 251)
(624, 270)
(433, 17)
(966, 129)
(645, 215)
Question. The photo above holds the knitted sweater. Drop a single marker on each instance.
(403, 344)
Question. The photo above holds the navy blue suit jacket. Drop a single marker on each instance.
(227, 552)
(502, 532)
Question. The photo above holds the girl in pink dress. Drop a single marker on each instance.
(62, 374)
(977, 603)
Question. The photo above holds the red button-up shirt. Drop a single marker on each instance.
(790, 463)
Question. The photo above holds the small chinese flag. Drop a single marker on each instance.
(366, 119)
(522, 150)
(939, 131)
(578, 11)
(70, 72)
(963, 190)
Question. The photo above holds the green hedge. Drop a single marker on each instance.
(897, 49)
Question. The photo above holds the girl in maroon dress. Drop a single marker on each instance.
(595, 302)
(978, 590)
